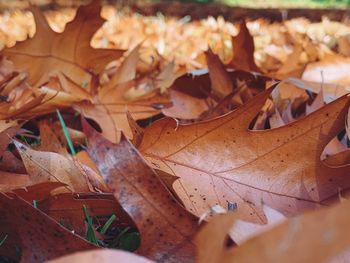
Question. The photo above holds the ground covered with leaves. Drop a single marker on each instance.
(177, 140)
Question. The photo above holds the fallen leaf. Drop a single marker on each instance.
(220, 80)
(291, 68)
(110, 107)
(127, 70)
(8, 161)
(49, 141)
(242, 231)
(101, 256)
(40, 237)
(243, 50)
(185, 107)
(330, 91)
(51, 167)
(296, 240)
(137, 131)
(221, 160)
(69, 52)
(67, 209)
(10, 181)
(190, 93)
(333, 68)
(166, 228)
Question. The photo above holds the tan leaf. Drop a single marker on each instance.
(184, 106)
(137, 131)
(110, 107)
(86, 166)
(242, 230)
(291, 68)
(101, 256)
(330, 91)
(222, 161)
(221, 83)
(333, 68)
(305, 238)
(69, 52)
(127, 70)
(51, 167)
(49, 141)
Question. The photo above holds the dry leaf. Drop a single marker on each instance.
(334, 70)
(220, 80)
(68, 210)
(69, 52)
(166, 228)
(221, 161)
(242, 230)
(305, 238)
(243, 50)
(101, 256)
(41, 238)
(51, 167)
(110, 107)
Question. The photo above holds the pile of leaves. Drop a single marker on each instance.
(105, 150)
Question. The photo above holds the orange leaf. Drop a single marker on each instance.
(312, 237)
(69, 52)
(222, 161)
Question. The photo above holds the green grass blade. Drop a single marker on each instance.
(107, 224)
(90, 233)
(65, 132)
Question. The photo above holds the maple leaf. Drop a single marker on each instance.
(69, 52)
(222, 161)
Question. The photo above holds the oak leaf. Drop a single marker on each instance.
(221, 160)
(40, 237)
(243, 50)
(101, 256)
(67, 209)
(166, 228)
(69, 52)
(121, 94)
(305, 238)
(52, 167)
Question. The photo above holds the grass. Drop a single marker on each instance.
(66, 133)
(279, 3)
(126, 238)
(289, 3)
